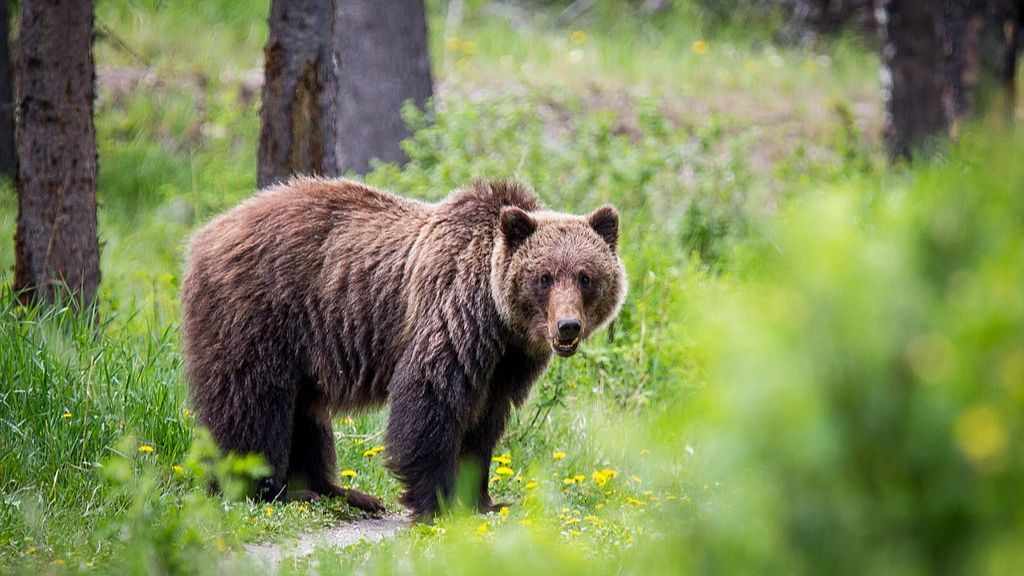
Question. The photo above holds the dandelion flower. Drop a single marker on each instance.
(484, 528)
(145, 448)
(349, 473)
(66, 415)
(504, 471)
(601, 477)
(453, 43)
(177, 469)
(346, 421)
(634, 502)
(531, 485)
(699, 47)
(504, 512)
(526, 522)
(505, 459)
(469, 47)
(269, 511)
(373, 451)
(558, 455)
(578, 37)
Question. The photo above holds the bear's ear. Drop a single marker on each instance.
(515, 225)
(605, 221)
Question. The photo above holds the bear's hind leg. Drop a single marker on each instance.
(313, 455)
(257, 421)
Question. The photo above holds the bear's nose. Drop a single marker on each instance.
(569, 328)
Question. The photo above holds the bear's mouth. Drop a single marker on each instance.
(565, 348)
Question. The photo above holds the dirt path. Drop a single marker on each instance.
(269, 555)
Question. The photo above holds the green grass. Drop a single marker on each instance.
(817, 367)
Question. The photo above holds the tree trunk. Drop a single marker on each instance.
(988, 32)
(384, 63)
(912, 74)
(337, 73)
(300, 93)
(8, 155)
(56, 242)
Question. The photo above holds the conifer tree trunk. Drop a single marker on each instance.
(912, 74)
(8, 154)
(56, 240)
(384, 63)
(337, 73)
(300, 92)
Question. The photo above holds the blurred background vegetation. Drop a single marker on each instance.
(820, 366)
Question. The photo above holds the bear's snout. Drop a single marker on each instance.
(569, 329)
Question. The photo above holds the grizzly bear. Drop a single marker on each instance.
(319, 296)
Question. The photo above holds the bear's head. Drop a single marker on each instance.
(556, 278)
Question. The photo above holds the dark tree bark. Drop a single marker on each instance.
(56, 242)
(8, 155)
(337, 73)
(384, 63)
(300, 92)
(912, 77)
(982, 45)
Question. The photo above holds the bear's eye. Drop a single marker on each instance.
(545, 281)
(584, 280)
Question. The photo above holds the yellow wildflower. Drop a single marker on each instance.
(346, 421)
(558, 455)
(504, 471)
(699, 47)
(177, 469)
(269, 511)
(980, 433)
(495, 479)
(601, 477)
(504, 459)
(66, 415)
(31, 550)
(531, 485)
(578, 37)
(349, 473)
(504, 511)
(453, 43)
(373, 451)
(146, 448)
(483, 528)
(526, 522)
(469, 47)
(634, 501)
(435, 529)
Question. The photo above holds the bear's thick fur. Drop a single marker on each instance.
(319, 296)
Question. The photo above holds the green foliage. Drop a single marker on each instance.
(818, 368)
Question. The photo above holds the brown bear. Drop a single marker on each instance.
(319, 296)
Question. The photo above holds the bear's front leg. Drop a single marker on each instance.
(478, 448)
(421, 439)
(431, 398)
